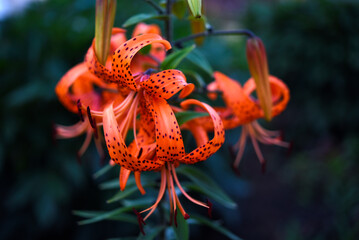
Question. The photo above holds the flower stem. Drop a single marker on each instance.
(168, 21)
(155, 6)
(105, 17)
(211, 32)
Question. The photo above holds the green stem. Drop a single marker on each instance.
(155, 6)
(210, 32)
(105, 17)
(168, 21)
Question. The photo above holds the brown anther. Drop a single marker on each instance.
(186, 216)
(175, 217)
(79, 106)
(140, 152)
(90, 117)
(210, 205)
(140, 221)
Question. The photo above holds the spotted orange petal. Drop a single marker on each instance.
(167, 83)
(117, 148)
(123, 177)
(168, 135)
(234, 96)
(121, 60)
(204, 151)
(157, 50)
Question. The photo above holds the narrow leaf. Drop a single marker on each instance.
(140, 18)
(179, 8)
(197, 59)
(92, 214)
(102, 171)
(123, 194)
(175, 58)
(215, 226)
(186, 116)
(206, 185)
(182, 229)
(105, 216)
(152, 234)
(198, 80)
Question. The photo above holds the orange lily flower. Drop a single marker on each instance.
(243, 110)
(158, 144)
(81, 91)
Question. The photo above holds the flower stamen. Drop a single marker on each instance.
(79, 106)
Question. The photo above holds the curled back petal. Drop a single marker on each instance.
(280, 93)
(94, 66)
(157, 50)
(204, 151)
(235, 98)
(123, 177)
(121, 59)
(117, 148)
(167, 83)
(63, 86)
(168, 134)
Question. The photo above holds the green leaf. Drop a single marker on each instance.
(102, 171)
(186, 116)
(175, 58)
(112, 184)
(123, 194)
(92, 214)
(146, 49)
(179, 8)
(182, 229)
(215, 226)
(204, 184)
(199, 82)
(152, 234)
(117, 214)
(196, 7)
(197, 59)
(140, 18)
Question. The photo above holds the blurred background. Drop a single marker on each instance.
(310, 191)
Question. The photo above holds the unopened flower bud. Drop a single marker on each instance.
(258, 67)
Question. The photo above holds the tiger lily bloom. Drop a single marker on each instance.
(158, 144)
(243, 110)
(80, 91)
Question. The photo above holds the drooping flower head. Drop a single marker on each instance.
(243, 110)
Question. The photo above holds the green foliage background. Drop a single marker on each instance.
(312, 192)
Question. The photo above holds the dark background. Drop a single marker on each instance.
(310, 191)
